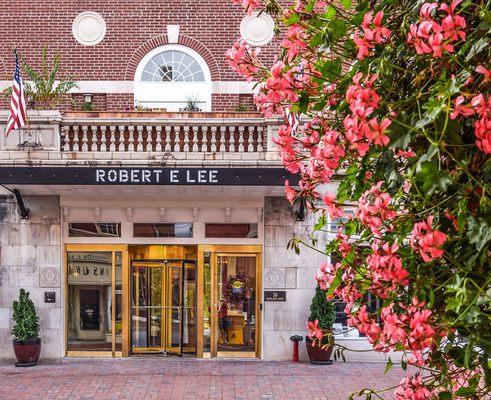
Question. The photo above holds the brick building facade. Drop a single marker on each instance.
(127, 204)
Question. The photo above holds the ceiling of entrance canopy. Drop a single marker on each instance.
(156, 192)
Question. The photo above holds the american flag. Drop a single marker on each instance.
(291, 119)
(17, 118)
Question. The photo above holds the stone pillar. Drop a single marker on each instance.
(284, 270)
(30, 258)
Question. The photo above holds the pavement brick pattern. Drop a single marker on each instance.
(171, 378)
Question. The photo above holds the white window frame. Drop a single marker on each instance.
(172, 95)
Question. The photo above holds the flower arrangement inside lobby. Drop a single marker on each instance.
(389, 101)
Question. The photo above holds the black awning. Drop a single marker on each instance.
(145, 176)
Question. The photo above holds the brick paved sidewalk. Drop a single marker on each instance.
(159, 378)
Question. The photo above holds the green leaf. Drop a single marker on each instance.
(321, 222)
(330, 13)
(388, 365)
(433, 108)
(479, 231)
(432, 178)
(335, 282)
(292, 19)
(346, 4)
(477, 47)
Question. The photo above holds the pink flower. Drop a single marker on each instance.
(373, 33)
(426, 240)
(332, 209)
(375, 209)
(459, 109)
(412, 388)
(294, 42)
(482, 126)
(377, 133)
(243, 59)
(249, 5)
(405, 153)
(431, 37)
(290, 192)
(481, 69)
(314, 330)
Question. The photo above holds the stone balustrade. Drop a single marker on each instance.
(143, 135)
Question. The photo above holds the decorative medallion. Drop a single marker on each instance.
(49, 277)
(89, 28)
(257, 29)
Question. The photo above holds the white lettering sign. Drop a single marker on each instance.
(156, 176)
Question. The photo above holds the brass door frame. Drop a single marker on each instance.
(104, 248)
(166, 303)
(227, 250)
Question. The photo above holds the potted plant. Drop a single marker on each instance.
(26, 341)
(45, 89)
(320, 341)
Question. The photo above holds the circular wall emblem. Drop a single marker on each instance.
(257, 29)
(89, 28)
(49, 277)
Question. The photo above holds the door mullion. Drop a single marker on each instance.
(164, 311)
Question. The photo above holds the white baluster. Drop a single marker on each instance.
(158, 144)
(222, 130)
(139, 139)
(260, 138)
(131, 138)
(121, 138)
(112, 139)
(103, 138)
(250, 139)
(85, 140)
(204, 139)
(186, 138)
(231, 142)
(167, 138)
(195, 139)
(66, 137)
(213, 139)
(76, 141)
(177, 139)
(149, 138)
(241, 139)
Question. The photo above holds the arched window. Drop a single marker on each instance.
(174, 78)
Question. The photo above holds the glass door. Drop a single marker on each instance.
(96, 280)
(163, 316)
(231, 301)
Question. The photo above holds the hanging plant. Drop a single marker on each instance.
(235, 290)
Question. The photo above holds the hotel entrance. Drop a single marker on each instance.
(184, 300)
(163, 306)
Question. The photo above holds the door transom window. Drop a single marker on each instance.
(172, 66)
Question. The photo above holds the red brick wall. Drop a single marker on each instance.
(133, 28)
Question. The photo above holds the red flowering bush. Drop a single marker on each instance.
(389, 102)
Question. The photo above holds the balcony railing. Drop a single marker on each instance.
(143, 135)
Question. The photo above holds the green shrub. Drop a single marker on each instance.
(321, 309)
(26, 321)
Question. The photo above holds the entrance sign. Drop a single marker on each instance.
(275, 295)
(145, 176)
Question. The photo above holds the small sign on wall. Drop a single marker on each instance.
(275, 295)
(50, 297)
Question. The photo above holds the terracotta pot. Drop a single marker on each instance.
(27, 351)
(317, 354)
